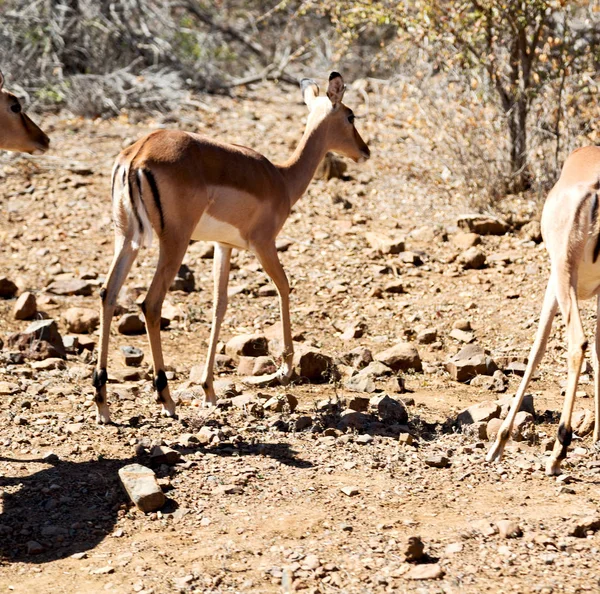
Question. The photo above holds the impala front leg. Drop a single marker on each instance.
(596, 365)
(267, 255)
(221, 264)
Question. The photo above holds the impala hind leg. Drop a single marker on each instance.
(221, 265)
(124, 257)
(267, 255)
(535, 356)
(169, 261)
(577, 345)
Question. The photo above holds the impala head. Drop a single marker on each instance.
(329, 111)
(17, 131)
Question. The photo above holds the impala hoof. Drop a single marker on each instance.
(103, 414)
(169, 410)
(495, 453)
(553, 467)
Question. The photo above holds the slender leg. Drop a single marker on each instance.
(596, 365)
(267, 255)
(221, 263)
(577, 345)
(169, 261)
(124, 257)
(535, 356)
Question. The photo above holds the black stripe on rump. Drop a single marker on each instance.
(155, 194)
(595, 225)
(133, 207)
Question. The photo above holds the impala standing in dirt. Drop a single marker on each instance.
(186, 186)
(17, 131)
(571, 231)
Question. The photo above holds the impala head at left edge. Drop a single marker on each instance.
(17, 130)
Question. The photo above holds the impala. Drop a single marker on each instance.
(185, 186)
(17, 131)
(571, 231)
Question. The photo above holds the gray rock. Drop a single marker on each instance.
(437, 461)
(469, 362)
(72, 286)
(464, 241)
(142, 487)
(358, 358)
(583, 422)
(425, 571)
(302, 422)
(401, 357)
(40, 340)
(523, 427)
(358, 403)
(427, 336)
(351, 419)
(280, 402)
(527, 405)
(164, 455)
(383, 244)
(34, 547)
(508, 529)
(132, 355)
(360, 383)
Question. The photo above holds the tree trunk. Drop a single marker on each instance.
(517, 125)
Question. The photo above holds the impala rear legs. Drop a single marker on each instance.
(124, 257)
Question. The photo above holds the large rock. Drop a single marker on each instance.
(142, 487)
(40, 340)
(70, 286)
(25, 307)
(8, 289)
(469, 362)
(401, 357)
(247, 345)
(583, 422)
(131, 323)
(483, 224)
(478, 413)
(81, 320)
(314, 366)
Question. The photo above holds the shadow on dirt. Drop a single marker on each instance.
(70, 507)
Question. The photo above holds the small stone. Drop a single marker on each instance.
(358, 358)
(358, 403)
(354, 330)
(394, 287)
(472, 259)
(360, 383)
(184, 280)
(81, 320)
(414, 549)
(469, 362)
(492, 428)
(132, 355)
(580, 528)
(34, 548)
(437, 461)
(350, 491)
(406, 439)
(131, 324)
(523, 427)
(462, 336)
(164, 455)
(389, 409)
(483, 224)
(40, 340)
(426, 571)
(8, 289)
(484, 527)
(49, 364)
(72, 286)
(106, 570)
(25, 307)
(516, 368)
(483, 411)
(383, 244)
(509, 529)
(583, 422)
(302, 422)
(401, 357)
(350, 419)
(247, 345)
(364, 439)
(453, 548)
(279, 403)
(314, 366)
(142, 487)
(464, 241)
(427, 336)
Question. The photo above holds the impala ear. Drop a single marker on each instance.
(336, 88)
(1, 80)
(310, 91)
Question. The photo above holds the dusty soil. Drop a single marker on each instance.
(260, 509)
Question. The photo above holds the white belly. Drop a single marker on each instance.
(211, 229)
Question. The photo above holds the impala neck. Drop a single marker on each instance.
(300, 168)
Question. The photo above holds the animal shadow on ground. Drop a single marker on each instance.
(70, 507)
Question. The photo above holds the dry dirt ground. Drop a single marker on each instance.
(261, 508)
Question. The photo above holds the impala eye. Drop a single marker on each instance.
(16, 108)
(351, 118)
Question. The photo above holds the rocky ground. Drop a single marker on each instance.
(366, 474)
